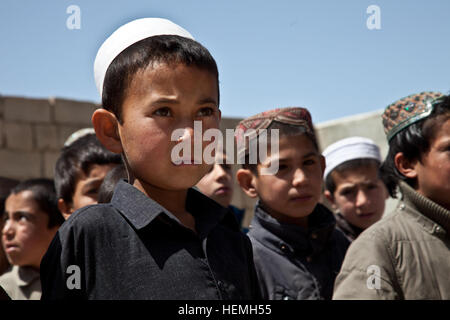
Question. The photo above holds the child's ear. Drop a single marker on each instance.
(65, 208)
(245, 179)
(405, 166)
(322, 164)
(330, 198)
(106, 128)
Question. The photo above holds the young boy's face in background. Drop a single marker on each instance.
(433, 171)
(218, 183)
(293, 192)
(87, 185)
(25, 234)
(360, 195)
(159, 100)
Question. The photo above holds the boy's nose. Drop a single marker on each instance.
(188, 133)
(361, 198)
(299, 178)
(8, 230)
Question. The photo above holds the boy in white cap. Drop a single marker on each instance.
(353, 185)
(158, 238)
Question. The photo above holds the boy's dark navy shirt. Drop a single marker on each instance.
(296, 263)
(133, 248)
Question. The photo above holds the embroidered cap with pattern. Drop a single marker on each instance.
(406, 111)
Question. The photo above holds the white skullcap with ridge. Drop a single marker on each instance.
(127, 35)
(349, 149)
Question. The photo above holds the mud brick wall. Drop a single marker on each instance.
(32, 132)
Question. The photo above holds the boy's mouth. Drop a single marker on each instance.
(184, 162)
(301, 198)
(222, 190)
(365, 215)
(9, 247)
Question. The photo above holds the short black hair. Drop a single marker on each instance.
(77, 158)
(330, 185)
(284, 130)
(163, 49)
(6, 184)
(414, 142)
(110, 181)
(43, 192)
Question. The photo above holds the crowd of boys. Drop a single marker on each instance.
(138, 226)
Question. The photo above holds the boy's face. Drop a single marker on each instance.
(86, 189)
(360, 195)
(293, 192)
(87, 186)
(159, 100)
(25, 234)
(218, 183)
(433, 172)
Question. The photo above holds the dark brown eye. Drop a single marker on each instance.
(163, 112)
(206, 112)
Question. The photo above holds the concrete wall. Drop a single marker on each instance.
(32, 131)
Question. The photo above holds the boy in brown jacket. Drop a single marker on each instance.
(406, 255)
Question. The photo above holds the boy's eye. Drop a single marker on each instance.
(347, 192)
(163, 112)
(92, 191)
(372, 186)
(309, 162)
(206, 112)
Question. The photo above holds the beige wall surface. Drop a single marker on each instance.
(32, 132)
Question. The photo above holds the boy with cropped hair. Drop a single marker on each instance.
(297, 249)
(353, 184)
(80, 170)
(30, 221)
(158, 238)
(406, 256)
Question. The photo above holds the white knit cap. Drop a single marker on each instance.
(127, 35)
(349, 149)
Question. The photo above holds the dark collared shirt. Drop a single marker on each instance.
(133, 248)
(295, 263)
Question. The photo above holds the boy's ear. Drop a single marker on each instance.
(65, 208)
(330, 198)
(245, 179)
(106, 128)
(405, 166)
(322, 164)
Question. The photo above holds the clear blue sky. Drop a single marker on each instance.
(317, 53)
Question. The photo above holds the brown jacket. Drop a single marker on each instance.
(403, 256)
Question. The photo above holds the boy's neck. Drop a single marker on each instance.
(299, 221)
(173, 201)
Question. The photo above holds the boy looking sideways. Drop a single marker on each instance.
(158, 238)
(218, 184)
(406, 254)
(353, 184)
(297, 249)
(80, 170)
(30, 221)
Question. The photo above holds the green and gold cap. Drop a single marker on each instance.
(406, 111)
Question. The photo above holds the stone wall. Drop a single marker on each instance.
(32, 131)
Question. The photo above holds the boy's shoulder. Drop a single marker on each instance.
(91, 217)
